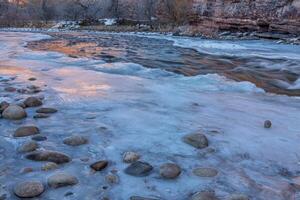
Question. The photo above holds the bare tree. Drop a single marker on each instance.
(178, 10)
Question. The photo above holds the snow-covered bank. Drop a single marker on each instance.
(125, 107)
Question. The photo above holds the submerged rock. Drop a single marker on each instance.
(29, 189)
(268, 124)
(205, 172)
(61, 180)
(28, 147)
(39, 138)
(51, 156)
(14, 112)
(130, 157)
(238, 197)
(26, 131)
(46, 110)
(3, 106)
(142, 198)
(41, 116)
(49, 166)
(139, 168)
(75, 140)
(32, 79)
(112, 179)
(33, 102)
(10, 89)
(100, 165)
(169, 171)
(205, 195)
(197, 140)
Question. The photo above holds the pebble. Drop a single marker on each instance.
(61, 180)
(205, 172)
(14, 112)
(100, 165)
(205, 195)
(28, 147)
(139, 168)
(29, 189)
(26, 131)
(51, 156)
(169, 170)
(49, 166)
(33, 102)
(268, 124)
(130, 157)
(197, 140)
(46, 110)
(75, 140)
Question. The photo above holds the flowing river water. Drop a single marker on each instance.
(144, 93)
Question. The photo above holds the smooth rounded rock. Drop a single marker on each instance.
(62, 180)
(139, 168)
(14, 112)
(28, 147)
(169, 170)
(205, 172)
(41, 116)
(29, 189)
(51, 156)
(130, 157)
(26, 131)
(75, 140)
(268, 124)
(33, 102)
(197, 140)
(100, 165)
(46, 110)
(39, 138)
(49, 166)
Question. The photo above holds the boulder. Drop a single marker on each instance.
(100, 165)
(14, 112)
(75, 140)
(169, 171)
(26, 131)
(33, 102)
(50, 156)
(139, 168)
(29, 189)
(197, 140)
(46, 110)
(61, 180)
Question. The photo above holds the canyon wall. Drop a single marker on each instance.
(280, 16)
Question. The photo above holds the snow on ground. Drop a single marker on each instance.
(149, 111)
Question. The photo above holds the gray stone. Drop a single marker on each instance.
(33, 102)
(29, 189)
(28, 147)
(197, 140)
(238, 197)
(62, 180)
(75, 140)
(51, 156)
(41, 116)
(139, 168)
(26, 131)
(169, 170)
(14, 112)
(205, 172)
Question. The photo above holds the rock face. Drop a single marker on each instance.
(247, 15)
(26, 131)
(51, 156)
(14, 112)
(61, 180)
(197, 140)
(29, 189)
(169, 170)
(139, 169)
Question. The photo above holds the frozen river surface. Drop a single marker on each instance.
(122, 105)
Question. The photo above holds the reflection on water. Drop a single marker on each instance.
(159, 53)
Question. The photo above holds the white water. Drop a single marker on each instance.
(149, 111)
